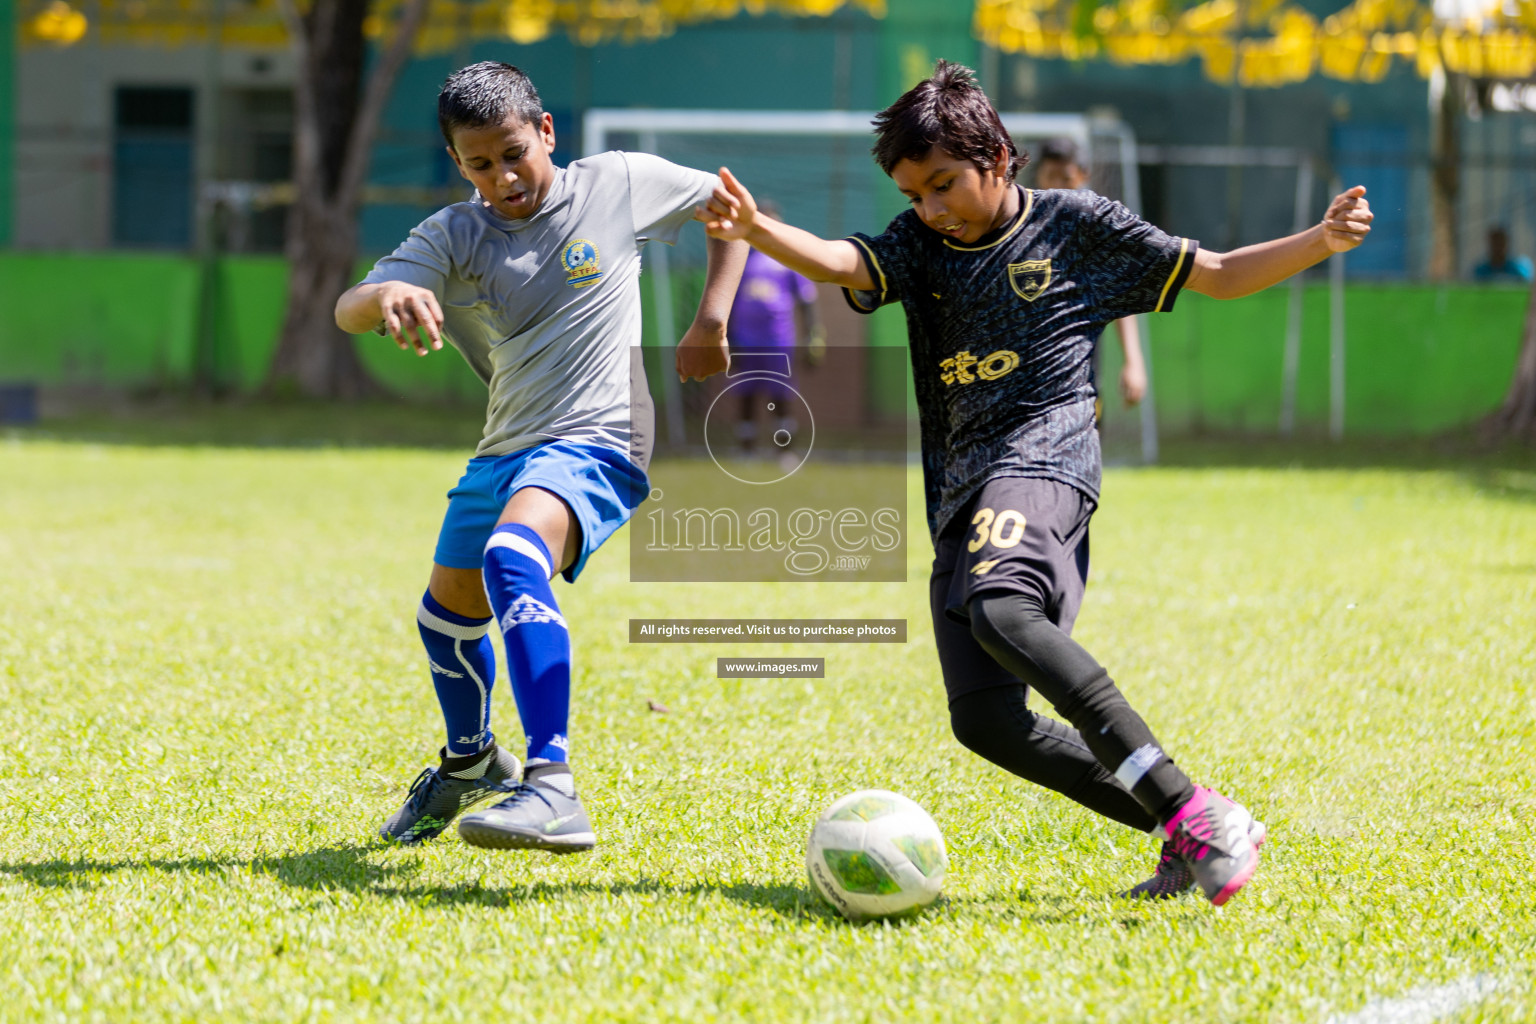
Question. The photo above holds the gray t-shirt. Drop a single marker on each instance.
(546, 310)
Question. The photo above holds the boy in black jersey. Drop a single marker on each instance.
(1005, 292)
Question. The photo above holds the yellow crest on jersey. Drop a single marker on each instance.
(1030, 278)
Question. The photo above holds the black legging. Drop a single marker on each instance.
(1014, 630)
(997, 724)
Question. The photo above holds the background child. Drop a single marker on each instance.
(1061, 166)
(1005, 291)
(774, 308)
(536, 283)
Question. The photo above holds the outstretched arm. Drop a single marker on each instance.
(1231, 275)
(407, 311)
(731, 213)
(704, 350)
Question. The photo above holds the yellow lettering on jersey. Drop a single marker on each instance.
(1030, 279)
(957, 368)
(982, 568)
(998, 363)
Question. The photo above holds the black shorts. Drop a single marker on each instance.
(1020, 534)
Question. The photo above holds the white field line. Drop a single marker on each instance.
(1422, 1005)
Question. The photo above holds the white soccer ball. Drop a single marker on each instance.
(876, 854)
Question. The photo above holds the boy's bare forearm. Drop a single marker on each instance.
(357, 311)
(1231, 275)
(724, 262)
(835, 262)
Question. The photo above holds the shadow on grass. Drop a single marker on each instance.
(356, 869)
(353, 869)
(264, 424)
(243, 423)
(1506, 471)
(1509, 483)
(1465, 452)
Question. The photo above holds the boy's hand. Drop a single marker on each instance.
(1133, 384)
(703, 352)
(731, 212)
(1348, 220)
(405, 308)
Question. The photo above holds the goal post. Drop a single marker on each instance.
(815, 165)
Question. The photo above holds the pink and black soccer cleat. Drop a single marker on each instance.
(1213, 837)
(1173, 877)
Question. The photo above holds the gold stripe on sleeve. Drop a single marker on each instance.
(1178, 265)
(874, 263)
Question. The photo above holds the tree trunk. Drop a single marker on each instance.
(315, 358)
(1516, 418)
(334, 127)
(1445, 177)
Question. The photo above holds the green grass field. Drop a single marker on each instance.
(214, 691)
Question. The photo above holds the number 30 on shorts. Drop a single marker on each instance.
(1003, 529)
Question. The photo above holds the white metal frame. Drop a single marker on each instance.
(1306, 176)
(648, 124)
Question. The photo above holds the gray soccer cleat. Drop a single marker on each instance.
(536, 816)
(438, 797)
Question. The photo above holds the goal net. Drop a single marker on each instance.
(815, 166)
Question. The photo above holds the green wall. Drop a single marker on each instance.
(129, 320)
(114, 318)
(1420, 358)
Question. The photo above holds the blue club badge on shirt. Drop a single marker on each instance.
(579, 258)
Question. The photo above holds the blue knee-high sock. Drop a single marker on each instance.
(517, 573)
(463, 672)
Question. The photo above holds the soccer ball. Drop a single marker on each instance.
(876, 854)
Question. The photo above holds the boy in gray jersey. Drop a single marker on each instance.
(536, 282)
(1005, 291)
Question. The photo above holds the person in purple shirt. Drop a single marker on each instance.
(775, 307)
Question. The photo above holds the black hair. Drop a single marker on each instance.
(486, 93)
(950, 111)
(1062, 149)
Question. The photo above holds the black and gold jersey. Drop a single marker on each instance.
(1002, 331)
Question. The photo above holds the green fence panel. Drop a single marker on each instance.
(1419, 358)
(250, 315)
(111, 319)
(1428, 359)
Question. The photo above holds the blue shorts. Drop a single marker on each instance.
(601, 487)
